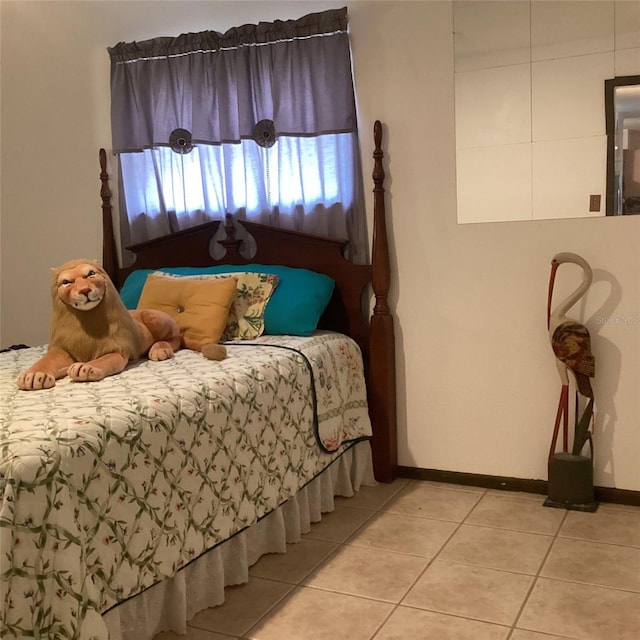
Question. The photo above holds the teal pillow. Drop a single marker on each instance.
(295, 306)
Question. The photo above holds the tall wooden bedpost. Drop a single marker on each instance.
(382, 372)
(109, 253)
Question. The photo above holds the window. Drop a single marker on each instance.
(258, 122)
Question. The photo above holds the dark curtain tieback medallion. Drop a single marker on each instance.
(264, 133)
(180, 141)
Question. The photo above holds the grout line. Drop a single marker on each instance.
(591, 584)
(480, 494)
(443, 614)
(536, 577)
(381, 508)
(593, 541)
(527, 531)
(511, 628)
(442, 546)
(384, 622)
(280, 600)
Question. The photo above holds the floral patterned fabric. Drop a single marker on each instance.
(109, 487)
(246, 316)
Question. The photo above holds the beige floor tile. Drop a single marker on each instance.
(296, 563)
(426, 501)
(413, 624)
(194, 634)
(450, 485)
(371, 573)
(313, 614)
(244, 605)
(620, 507)
(404, 534)
(338, 525)
(497, 549)
(200, 634)
(605, 525)
(581, 611)
(520, 514)
(519, 634)
(373, 497)
(473, 592)
(538, 498)
(596, 563)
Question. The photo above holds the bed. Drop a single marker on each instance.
(127, 505)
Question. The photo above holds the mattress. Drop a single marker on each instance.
(108, 488)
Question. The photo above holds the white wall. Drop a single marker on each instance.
(477, 384)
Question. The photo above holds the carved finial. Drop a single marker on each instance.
(377, 135)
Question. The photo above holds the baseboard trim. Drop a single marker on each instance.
(505, 483)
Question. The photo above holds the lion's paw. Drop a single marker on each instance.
(35, 380)
(160, 351)
(85, 372)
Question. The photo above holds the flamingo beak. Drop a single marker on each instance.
(552, 278)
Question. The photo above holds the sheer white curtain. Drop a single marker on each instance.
(258, 122)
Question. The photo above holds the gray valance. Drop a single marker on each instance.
(218, 86)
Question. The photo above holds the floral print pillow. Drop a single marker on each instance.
(246, 316)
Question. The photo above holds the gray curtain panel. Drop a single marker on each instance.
(259, 122)
(296, 73)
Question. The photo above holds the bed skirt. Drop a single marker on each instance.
(168, 606)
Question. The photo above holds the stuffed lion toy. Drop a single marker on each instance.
(92, 334)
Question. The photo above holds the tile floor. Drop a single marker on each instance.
(420, 560)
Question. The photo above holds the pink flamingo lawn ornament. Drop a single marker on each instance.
(571, 345)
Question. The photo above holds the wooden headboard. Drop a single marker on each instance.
(374, 334)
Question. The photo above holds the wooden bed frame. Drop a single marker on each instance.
(375, 336)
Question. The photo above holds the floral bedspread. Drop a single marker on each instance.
(108, 487)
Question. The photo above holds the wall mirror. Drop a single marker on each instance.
(531, 134)
(622, 108)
